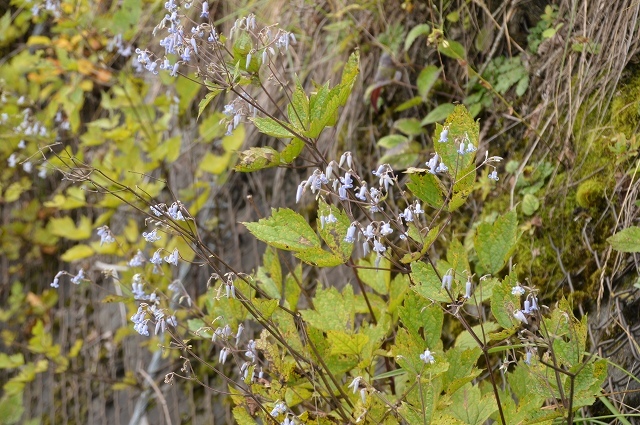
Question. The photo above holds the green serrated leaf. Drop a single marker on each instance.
(319, 104)
(271, 127)
(462, 369)
(349, 75)
(422, 319)
(242, 417)
(333, 234)
(626, 240)
(207, 99)
(470, 407)
(495, 242)
(427, 283)
(417, 31)
(11, 362)
(376, 278)
(291, 151)
(298, 109)
(428, 188)
(522, 86)
(346, 343)
(332, 311)
(285, 229)
(265, 307)
(504, 303)
(319, 257)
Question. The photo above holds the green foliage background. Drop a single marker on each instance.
(559, 102)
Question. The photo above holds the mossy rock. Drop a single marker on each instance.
(590, 194)
(625, 107)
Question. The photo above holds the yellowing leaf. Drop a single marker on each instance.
(36, 40)
(85, 67)
(66, 228)
(215, 164)
(77, 252)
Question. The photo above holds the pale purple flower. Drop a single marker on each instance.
(351, 232)
(471, 148)
(386, 229)
(156, 260)
(347, 181)
(346, 157)
(517, 290)
(105, 235)
(222, 358)
(468, 286)
(444, 135)
(447, 280)
(518, 314)
(175, 211)
(407, 215)
(55, 283)
(278, 409)
(173, 257)
(78, 278)
(442, 168)
(342, 193)
(137, 260)
(151, 236)
(494, 175)
(355, 384)
(427, 357)
(362, 192)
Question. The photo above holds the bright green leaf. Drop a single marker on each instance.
(392, 140)
(438, 114)
(427, 187)
(530, 204)
(495, 242)
(414, 101)
(417, 31)
(291, 151)
(285, 229)
(626, 240)
(332, 310)
(271, 127)
(504, 303)
(427, 283)
(207, 99)
(426, 79)
(409, 126)
(452, 49)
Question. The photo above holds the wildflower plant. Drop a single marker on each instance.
(368, 349)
